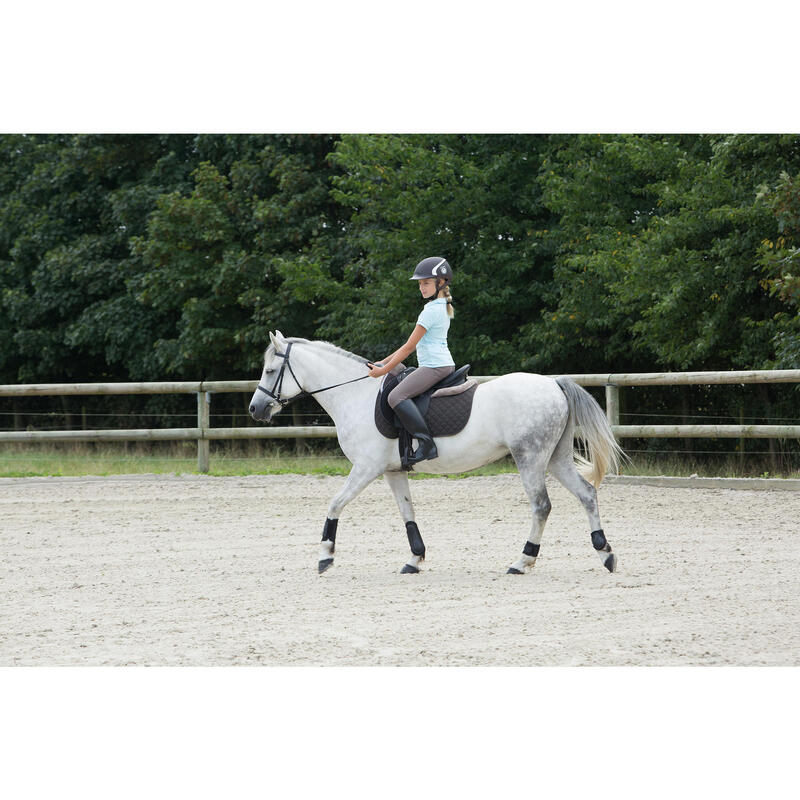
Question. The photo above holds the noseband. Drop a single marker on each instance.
(276, 395)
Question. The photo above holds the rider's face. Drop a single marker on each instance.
(428, 287)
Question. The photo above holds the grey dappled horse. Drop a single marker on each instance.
(532, 417)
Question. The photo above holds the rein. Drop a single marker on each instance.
(276, 396)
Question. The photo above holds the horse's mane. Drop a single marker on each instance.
(328, 346)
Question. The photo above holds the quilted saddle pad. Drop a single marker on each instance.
(447, 413)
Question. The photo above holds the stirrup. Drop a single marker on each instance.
(432, 453)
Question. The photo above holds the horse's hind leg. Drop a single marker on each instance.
(531, 470)
(358, 479)
(398, 482)
(562, 466)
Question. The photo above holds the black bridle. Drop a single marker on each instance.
(276, 395)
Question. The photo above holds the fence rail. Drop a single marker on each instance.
(203, 433)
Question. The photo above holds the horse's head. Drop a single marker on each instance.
(277, 384)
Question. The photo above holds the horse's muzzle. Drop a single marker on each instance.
(261, 412)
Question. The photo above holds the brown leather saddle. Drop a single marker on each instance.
(446, 406)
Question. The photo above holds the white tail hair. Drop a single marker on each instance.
(595, 433)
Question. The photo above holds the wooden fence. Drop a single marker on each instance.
(203, 433)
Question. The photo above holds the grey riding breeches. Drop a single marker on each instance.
(418, 381)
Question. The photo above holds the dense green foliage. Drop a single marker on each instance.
(148, 257)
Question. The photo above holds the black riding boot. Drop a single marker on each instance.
(415, 424)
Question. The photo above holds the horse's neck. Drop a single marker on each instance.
(321, 368)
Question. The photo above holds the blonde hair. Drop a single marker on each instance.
(449, 298)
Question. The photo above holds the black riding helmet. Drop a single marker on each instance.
(434, 267)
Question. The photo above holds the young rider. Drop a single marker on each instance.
(429, 339)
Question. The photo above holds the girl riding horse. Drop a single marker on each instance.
(429, 339)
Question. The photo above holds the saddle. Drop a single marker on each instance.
(446, 407)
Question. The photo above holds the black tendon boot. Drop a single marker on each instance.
(415, 424)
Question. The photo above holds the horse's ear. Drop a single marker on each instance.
(273, 339)
(280, 337)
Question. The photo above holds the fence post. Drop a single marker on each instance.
(612, 406)
(742, 440)
(203, 422)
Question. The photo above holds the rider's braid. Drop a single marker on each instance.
(449, 298)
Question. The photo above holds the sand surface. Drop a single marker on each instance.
(222, 571)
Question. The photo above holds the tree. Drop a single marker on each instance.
(707, 307)
(132, 257)
(604, 194)
(779, 257)
(73, 203)
(219, 262)
(656, 247)
(473, 199)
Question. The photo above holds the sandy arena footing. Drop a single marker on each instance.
(223, 571)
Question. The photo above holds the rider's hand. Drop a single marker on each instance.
(376, 370)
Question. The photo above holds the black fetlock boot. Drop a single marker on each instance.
(415, 424)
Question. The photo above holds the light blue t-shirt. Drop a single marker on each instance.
(432, 347)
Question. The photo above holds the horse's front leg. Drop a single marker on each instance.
(398, 481)
(358, 479)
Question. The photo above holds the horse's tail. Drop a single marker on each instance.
(595, 433)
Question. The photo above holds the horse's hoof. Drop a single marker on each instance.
(409, 570)
(512, 571)
(611, 563)
(324, 564)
